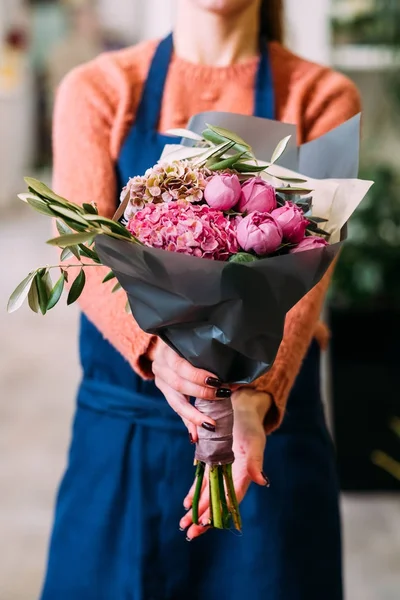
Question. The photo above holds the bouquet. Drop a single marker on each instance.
(212, 248)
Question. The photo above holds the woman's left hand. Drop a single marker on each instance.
(249, 439)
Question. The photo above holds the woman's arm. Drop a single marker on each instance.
(84, 171)
(332, 100)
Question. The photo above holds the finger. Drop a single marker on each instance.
(187, 371)
(255, 459)
(187, 387)
(196, 531)
(182, 406)
(192, 431)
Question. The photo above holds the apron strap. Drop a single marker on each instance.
(148, 112)
(264, 101)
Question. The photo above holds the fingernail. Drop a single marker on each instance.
(208, 524)
(181, 529)
(267, 481)
(208, 427)
(191, 439)
(188, 539)
(223, 393)
(213, 382)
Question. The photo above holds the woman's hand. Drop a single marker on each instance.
(249, 439)
(178, 380)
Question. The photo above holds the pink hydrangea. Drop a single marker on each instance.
(197, 230)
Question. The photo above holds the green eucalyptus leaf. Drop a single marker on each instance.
(227, 163)
(113, 225)
(280, 149)
(317, 220)
(33, 297)
(20, 293)
(66, 253)
(47, 282)
(64, 274)
(128, 308)
(71, 239)
(291, 179)
(40, 206)
(242, 257)
(108, 277)
(70, 214)
(44, 191)
(243, 167)
(77, 287)
(215, 151)
(292, 190)
(185, 133)
(92, 254)
(56, 292)
(229, 135)
(89, 208)
(62, 228)
(42, 289)
(116, 288)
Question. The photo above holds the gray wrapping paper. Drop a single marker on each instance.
(215, 447)
(227, 318)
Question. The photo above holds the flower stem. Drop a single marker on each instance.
(233, 503)
(226, 516)
(199, 482)
(215, 498)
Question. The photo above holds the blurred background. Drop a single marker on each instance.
(40, 41)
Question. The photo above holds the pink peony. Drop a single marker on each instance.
(257, 195)
(223, 191)
(259, 232)
(309, 243)
(197, 230)
(292, 220)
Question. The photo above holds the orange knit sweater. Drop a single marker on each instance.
(95, 107)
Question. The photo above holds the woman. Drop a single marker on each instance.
(116, 531)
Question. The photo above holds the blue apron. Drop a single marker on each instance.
(115, 534)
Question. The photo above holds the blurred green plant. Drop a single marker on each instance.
(367, 275)
(383, 460)
(377, 26)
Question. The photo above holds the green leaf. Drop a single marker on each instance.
(242, 257)
(85, 251)
(33, 297)
(108, 277)
(113, 225)
(44, 191)
(291, 179)
(56, 292)
(215, 151)
(89, 208)
(47, 282)
(229, 135)
(116, 288)
(67, 212)
(20, 293)
(128, 308)
(280, 149)
(227, 163)
(77, 287)
(243, 167)
(71, 239)
(62, 228)
(40, 206)
(66, 253)
(64, 274)
(42, 289)
(293, 190)
(185, 133)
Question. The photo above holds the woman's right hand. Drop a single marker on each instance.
(178, 380)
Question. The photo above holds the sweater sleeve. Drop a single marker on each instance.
(331, 100)
(84, 171)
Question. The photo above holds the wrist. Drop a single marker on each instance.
(247, 398)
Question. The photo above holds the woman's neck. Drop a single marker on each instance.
(203, 37)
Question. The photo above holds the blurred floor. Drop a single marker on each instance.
(38, 377)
